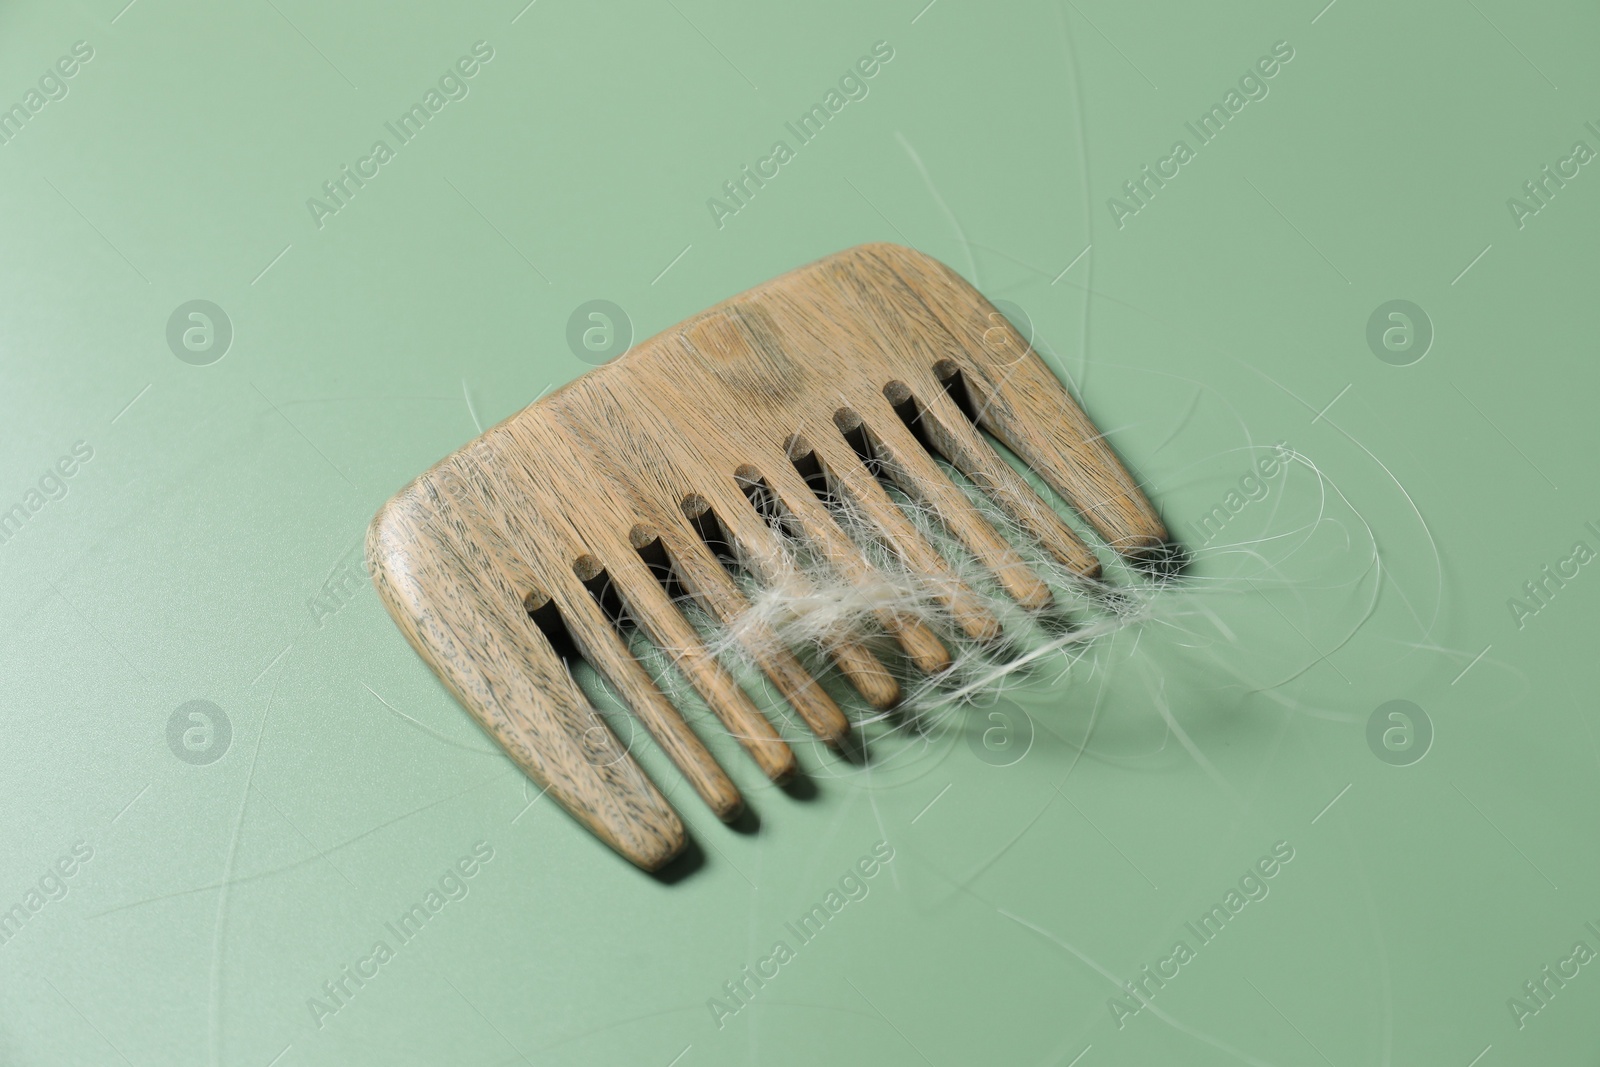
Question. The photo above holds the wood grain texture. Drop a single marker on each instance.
(551, 509)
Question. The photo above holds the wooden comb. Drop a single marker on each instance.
(510, 540)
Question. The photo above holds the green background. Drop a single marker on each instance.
(223, 501)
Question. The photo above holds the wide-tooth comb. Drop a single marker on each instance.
(547, 523)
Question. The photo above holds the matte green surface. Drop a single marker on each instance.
(224, 503)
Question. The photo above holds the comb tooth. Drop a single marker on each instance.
(758, 546)
(1024, 405)
(597, 639)
(844, 469)
(955, 437)
(744, 347)
(624, 448)
(1048, 432)
(474, 634)
(511, 512)
(876, 684)
(475, 490)
(817, 526)
(915, 472)
(649, 604)
(704, 576)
